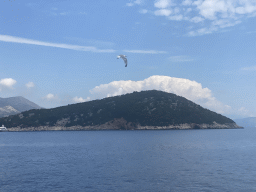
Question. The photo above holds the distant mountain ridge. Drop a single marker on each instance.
(138, 110)
(14, 105)
(246, 122)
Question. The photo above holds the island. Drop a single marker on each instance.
(145, 110)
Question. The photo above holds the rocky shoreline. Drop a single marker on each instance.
(122, 124)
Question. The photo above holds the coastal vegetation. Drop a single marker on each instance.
(145, 108)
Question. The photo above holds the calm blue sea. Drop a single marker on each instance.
(156, 160)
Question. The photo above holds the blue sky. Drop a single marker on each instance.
(60, 52)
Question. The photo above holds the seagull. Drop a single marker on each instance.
(124, 58)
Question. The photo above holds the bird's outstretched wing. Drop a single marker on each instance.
(124, 58)
(125, 61)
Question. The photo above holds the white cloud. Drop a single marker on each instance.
(191, 90)
(136, 2)
(223, 23)
(163, 12)
(64, 13)
(176, 10)
(180, 58)
(80, 99)
(216, 14)
(209, 8)
(91, 42)
(188, 10)
(196, 19)
(176, 17)
(203, 31)
(250, 32)
(12, 39)
(129, 4)
(143, 11)
(186, 2)
(243, 112)
(50, 97)
(248, 8)
(30, 85)
(162, 4)
(7, 83)
(252, 68)
(145, 51)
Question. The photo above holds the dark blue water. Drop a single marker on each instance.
(167, 160)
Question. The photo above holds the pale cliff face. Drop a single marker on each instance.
(122, 124)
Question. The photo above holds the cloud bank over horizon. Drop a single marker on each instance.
(80, 99)
(191, 90)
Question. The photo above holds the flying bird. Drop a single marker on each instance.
(124, 58)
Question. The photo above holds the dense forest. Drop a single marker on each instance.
(147, 108)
